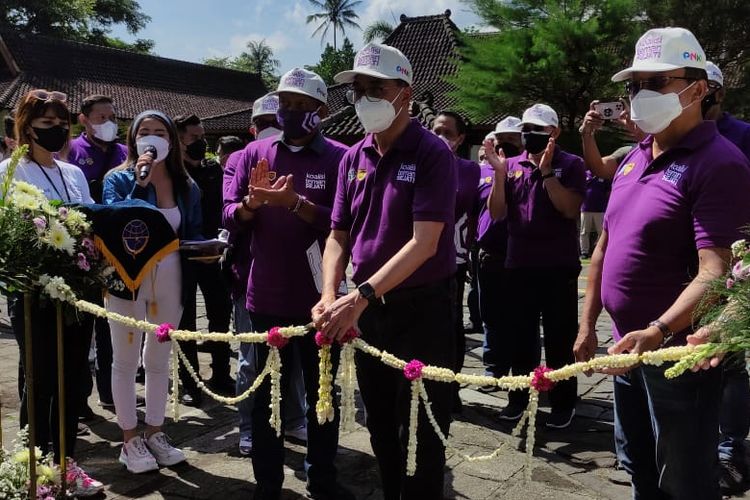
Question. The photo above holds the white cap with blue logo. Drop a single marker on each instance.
(266, 105)
(378, 61)
(305, 82)
(664, 49)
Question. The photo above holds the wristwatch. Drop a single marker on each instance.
(667, 334)
(368, 292)
(547, 176)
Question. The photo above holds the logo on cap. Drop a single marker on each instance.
(269, 105)
(649, 47)
(692, 56)
(402, 70)
(295, 79)
(369, 56)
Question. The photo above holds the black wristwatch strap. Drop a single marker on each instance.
(547, 176)
(664, 329)
(368, 292)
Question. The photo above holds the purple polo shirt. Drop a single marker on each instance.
(466, 200)
(378, 199)
(281, 281)
(538, 234)
(239, 237)
(660, 213)
(597, 193)
(736, 131)
(90, 158)
(492, 236)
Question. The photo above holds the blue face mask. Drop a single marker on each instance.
(297, 124)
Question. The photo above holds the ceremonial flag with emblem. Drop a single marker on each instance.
(133, 235)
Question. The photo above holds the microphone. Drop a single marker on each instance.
(151, 150)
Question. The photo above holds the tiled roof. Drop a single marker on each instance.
(238, 121)
(430, 43)
(136, 81)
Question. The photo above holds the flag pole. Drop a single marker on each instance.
(29, 382)
(61, 392)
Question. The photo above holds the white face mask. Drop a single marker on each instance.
(161, 145)
(378, 115)
(652, 111)
(268, 132)
(106, 131)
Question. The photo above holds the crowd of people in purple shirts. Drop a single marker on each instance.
(416, 222)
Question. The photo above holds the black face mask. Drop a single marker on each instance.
(708, 102)
(509, 149)
(535, 142)
(52, 139)
(196, 150)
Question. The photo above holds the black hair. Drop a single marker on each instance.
(460, 121)
(88, 103)
(230, 143)
(696, 74)
(185, 121)
(9, 123)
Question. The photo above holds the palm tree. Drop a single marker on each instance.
(336, 14)
(379, 30)
(259, 59)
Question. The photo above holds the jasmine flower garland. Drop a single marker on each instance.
(324, 406)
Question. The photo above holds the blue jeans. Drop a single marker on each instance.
(294, 403)
(322, 440)
(734, 416)
(666, 433)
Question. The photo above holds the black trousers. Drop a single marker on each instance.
(458, 320)
(413, 324)
(219, 312)
(493, 304)
(77, 341)
(551, 293)
(322, 440)
(472, 300)
(103, 361)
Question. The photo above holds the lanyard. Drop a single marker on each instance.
(65, 186)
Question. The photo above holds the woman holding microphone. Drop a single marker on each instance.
(153, 172)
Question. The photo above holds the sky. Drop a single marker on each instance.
(192, 30)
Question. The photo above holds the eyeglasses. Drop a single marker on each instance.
(632, 87)
(45, 96)
(532, 128)
(372, 94)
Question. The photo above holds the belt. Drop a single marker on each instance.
(405, 294)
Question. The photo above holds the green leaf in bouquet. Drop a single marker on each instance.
(10, 172)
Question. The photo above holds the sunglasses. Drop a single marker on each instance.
(46, 96)
(532, 128)
(372, 94)
(632, 87)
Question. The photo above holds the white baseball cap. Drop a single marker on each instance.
(490, 136)
(266, 105)
(378, 61)
(302, 81)
(714, 74)
(665, 49)
(508, 125)
(540, 114)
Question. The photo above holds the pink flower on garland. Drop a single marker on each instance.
(350, 335)
(539, 381)
(83, 263)
(413, 370)
(162, 332)
(730, 283)
(321, 339)
(276, 339)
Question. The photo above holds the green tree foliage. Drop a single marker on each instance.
(258, 59)
(377, 31)
(87, 21)
(334, 14)
(559, 53)
(334, 61)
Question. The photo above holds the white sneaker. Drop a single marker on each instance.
(135, 456)
(79, 483)
(165, 454)
(299, 433)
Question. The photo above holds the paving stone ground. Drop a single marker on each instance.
(574, 463)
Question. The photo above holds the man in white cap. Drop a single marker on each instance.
(678, 202)
(734, 416)
(263, 119)
(394, 214)
(492, 240)
(283, 188)
(730, 127)
(539, 193)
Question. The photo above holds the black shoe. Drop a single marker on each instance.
(511, 413)
(265, 493)
(193, 399)
(108, 405)
(560, 419)
(333, 492)
(140, 402)
(488, 389)
(87, 414)
(226, 386)
(733, 476)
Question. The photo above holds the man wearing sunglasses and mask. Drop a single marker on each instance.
(283, 190)
(540, 194)
(678, 202)
(394, 214)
